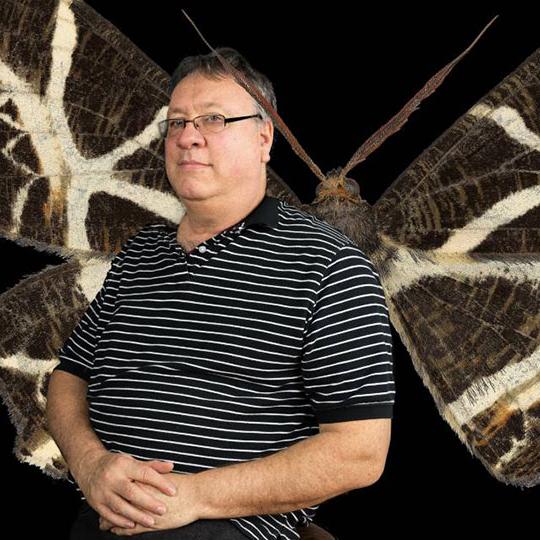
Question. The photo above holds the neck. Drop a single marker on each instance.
(204, 219)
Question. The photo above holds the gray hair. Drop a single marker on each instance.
(210, 66)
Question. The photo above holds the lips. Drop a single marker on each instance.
(192, 162)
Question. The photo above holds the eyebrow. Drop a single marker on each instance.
(206, 104)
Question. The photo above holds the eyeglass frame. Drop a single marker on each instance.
(225, 122)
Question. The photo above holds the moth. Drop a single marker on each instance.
(454, 238)
(456, 242)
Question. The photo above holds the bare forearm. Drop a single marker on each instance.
(67, 419)
(305, 474)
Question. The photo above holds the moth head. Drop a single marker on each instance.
(336, 185)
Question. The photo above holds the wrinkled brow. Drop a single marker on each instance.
(206, 104)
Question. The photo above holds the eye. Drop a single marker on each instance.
(213, 118)
(176, 123)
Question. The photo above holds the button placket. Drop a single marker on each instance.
(214, 244)
(180, 253)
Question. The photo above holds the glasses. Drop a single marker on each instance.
(206, 123)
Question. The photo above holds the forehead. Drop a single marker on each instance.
(197, 93)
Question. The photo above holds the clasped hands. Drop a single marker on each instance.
(126, 492)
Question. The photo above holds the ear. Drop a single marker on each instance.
(266, 133)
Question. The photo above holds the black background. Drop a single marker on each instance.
(339, 74)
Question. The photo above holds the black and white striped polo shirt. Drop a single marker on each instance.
(235, 350)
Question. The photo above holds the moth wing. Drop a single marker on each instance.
(82, 170)
(37, 316)
(462, 279)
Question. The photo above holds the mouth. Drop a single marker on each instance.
(192, 165)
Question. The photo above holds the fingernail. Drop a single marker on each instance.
(149, 521)
(172, 490)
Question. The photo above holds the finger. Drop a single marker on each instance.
(152, 492)
(128, 532)
(131, 509)
(120, 532)
(115, 519)
(147, 475)
(104, 524)
(161, 466)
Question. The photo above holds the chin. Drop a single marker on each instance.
(195, 194)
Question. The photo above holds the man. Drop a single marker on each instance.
(249, 350)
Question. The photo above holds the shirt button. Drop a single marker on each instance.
(202, 249)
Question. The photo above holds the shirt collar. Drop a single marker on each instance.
(265, 213)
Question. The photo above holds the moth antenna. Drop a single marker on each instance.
(295, 145)
(395, 123)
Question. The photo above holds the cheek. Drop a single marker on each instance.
(168, 155)
(239, 155)
(169, 149)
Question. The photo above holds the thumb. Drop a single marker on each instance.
(161, 466)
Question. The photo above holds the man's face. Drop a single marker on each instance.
(235, 158)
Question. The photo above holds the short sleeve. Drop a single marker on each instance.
(77, 353)
(347, 362)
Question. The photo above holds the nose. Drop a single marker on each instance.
(189, 136)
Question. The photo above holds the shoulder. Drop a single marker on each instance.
(147, 234)
(319, 232)
(340, 253)
(151, 231)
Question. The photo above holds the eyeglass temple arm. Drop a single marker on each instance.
(377, 138)
(295, 145)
